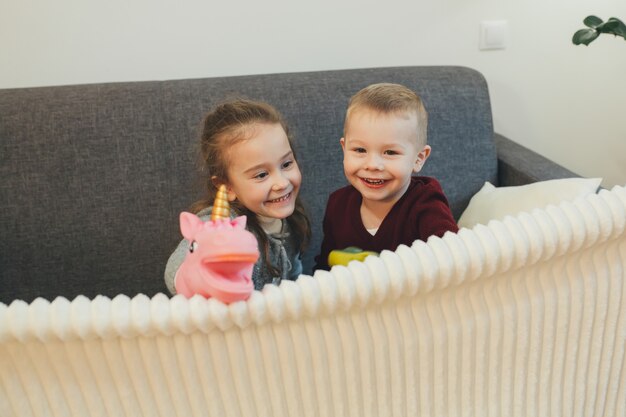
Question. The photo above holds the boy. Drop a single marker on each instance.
(384, 206)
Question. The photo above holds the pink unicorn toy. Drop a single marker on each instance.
(221, 255)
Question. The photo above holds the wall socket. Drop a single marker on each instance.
(494, 34)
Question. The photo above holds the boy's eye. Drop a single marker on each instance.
(359, 150)
(391, 152)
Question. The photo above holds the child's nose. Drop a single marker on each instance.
(375, 162)
(280, 183)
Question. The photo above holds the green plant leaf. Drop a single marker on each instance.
(585, 36)
(613, 26)
(608, 27)
(619, 28)
(592, 21)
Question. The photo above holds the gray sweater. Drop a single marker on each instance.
(283, 251)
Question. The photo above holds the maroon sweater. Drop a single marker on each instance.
(422, 211)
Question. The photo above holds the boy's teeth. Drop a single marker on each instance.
(377, 182)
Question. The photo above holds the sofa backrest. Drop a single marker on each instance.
(95, 176)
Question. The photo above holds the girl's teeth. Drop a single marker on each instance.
(278, 200)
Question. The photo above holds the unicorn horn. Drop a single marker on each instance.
(221, 208)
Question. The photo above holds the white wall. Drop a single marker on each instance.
(564, 101)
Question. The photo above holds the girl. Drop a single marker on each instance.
(245, 145)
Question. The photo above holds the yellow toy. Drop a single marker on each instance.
(351, 253)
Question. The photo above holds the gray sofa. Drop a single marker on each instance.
(94, 176)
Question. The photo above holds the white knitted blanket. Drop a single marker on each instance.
(523, 317)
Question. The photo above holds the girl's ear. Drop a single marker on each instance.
(422, 156)
(231, 194)
(229, 191)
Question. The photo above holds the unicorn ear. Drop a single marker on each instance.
(239, 221)
(189, 224)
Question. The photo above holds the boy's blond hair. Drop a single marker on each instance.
(389, 98)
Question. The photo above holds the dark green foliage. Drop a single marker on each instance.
(596, 27)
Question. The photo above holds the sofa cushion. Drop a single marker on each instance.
(494, 203)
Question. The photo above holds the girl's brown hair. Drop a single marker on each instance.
(227, 124)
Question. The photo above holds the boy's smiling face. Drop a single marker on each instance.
(381, 153)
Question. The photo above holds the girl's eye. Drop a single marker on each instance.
(193, 246)
(287, 164)
(260, 175)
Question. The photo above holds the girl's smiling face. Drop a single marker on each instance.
(263, 174)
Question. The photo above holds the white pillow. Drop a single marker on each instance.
(497, 202)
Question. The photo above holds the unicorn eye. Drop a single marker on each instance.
(193, 246)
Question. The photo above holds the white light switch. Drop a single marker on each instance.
(494, 34)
